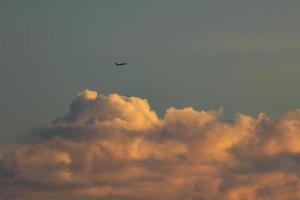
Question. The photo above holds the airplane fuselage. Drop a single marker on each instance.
(120, 64)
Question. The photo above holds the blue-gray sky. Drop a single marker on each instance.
(240, 55)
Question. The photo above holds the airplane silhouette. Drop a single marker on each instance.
(120, 64)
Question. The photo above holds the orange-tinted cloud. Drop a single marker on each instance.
(116, 147)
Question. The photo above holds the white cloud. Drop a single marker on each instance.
(115, 147)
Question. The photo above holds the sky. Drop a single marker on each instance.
(219, 76)
(240, 55)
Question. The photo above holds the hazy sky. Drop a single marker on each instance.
(57, 63)
(240, 55)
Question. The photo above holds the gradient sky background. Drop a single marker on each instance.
(240, 55)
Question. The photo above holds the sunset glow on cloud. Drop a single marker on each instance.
(116, 147)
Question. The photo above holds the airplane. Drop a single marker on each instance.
(120, 64)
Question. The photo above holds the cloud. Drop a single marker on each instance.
(116, 147)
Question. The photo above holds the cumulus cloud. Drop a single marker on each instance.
(116, 147)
